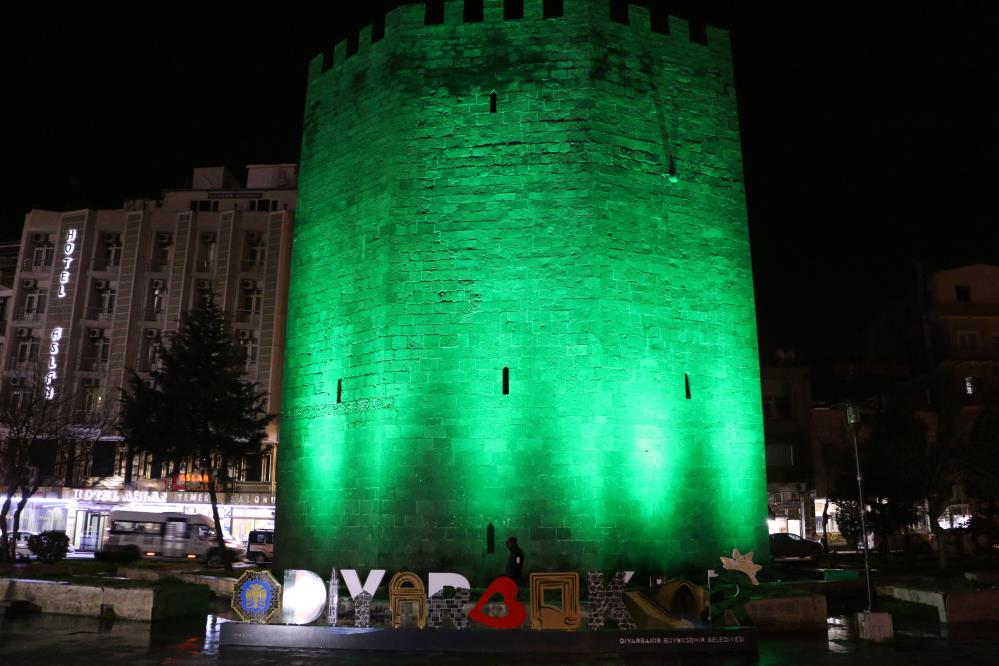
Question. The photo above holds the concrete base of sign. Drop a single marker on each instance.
(143, 604)
(490, 641)
(969, 607)
(875, 627)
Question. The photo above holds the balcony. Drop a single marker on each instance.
(145, 365)
(252, 267)
(105, 264)
(152, 314)
(29, 265)
(245, 316)
(99, 314)
(203, 266)
(22, 314)
(93, 364)
(158, 267)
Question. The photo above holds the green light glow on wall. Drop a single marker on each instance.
(438, 242)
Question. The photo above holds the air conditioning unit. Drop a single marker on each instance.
(252, 237)
(249, 285)
(163, 238)
(90, 382)
(111, 237)
(152, 333)
(40, 238)
(28, 283)
(208, 237)
(158, 284)
(100, 285)
(245, 334)
(24, 332)
(205, 285)
(17, 381)
(95, 333)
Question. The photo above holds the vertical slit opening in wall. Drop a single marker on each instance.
(378, 28)
(492, 102)
(339, 390)
(490, 538)
(619, 11)
(686, 384)
(506, 381)
(473, 11)
(433, 13)
(658, 18)
(552, 8)
(513, 9)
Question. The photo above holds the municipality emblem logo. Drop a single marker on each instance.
(256, 596)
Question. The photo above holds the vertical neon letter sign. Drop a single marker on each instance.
(67, 260)
(51, 375)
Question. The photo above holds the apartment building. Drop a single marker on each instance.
(103, 288)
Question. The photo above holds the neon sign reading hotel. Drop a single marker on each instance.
(67, 260)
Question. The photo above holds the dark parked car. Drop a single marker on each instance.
(792, 545)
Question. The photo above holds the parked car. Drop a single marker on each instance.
(791, 545)
(21, 550)
(260, 546)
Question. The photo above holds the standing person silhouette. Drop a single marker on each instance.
(514, 563)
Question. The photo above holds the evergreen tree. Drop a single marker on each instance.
(199, 407)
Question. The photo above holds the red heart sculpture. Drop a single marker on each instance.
(515, 611)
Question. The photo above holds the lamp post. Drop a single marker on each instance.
(853, 419)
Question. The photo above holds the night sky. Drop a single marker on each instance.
(870, 136)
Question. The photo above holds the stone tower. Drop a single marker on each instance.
(521, 299)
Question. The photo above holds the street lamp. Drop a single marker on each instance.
(853, 419)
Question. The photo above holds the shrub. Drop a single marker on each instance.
(50, 546)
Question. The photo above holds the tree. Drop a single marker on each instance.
(198, 406)
(34, 415)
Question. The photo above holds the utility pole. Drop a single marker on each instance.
(853, 419)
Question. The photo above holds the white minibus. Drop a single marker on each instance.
(168, 535)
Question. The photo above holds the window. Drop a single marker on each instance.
(205, 205)
(506, 381)
(27, 350)
(35, 301)
(962, 293)
(105, 301)
(263, 205)
(967, 341)
(780, 455)
(776, 399)
(252, 301)
(92, 402)
(251, 349)
(492, 102)
(42, 255)
(969, 385)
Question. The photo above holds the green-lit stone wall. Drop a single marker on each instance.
(590, 235)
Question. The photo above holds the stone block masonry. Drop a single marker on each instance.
(522, 245)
